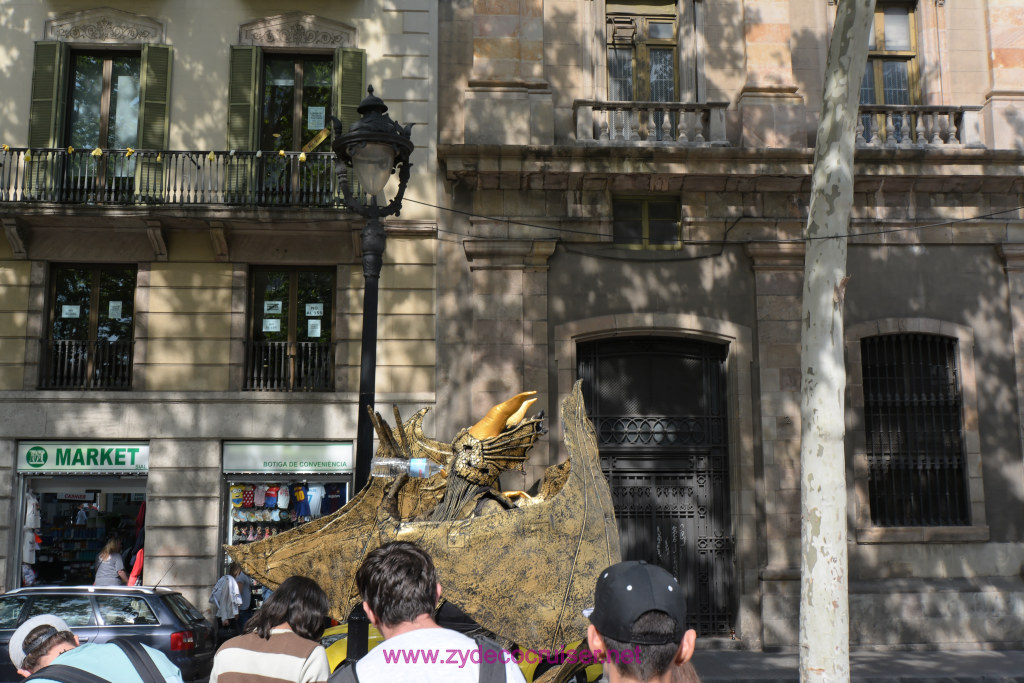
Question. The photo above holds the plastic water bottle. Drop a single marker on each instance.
(418, 468)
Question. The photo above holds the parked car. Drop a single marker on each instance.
(158, 617)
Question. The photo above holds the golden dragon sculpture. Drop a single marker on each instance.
(523, 567)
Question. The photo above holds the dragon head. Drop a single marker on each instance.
(498, 442)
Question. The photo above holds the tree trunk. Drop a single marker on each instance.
(824, 586)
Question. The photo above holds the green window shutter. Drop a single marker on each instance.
(349, 84)
(243, 89)
(155, 97)
(154, 120)
(49, 89)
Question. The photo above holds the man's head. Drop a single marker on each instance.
(38, 641)
(639, 620)
(398, 583)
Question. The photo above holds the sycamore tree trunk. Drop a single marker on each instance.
(824, 598)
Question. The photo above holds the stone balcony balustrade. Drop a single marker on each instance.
(661, 123)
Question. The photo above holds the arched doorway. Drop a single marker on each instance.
(659, 405)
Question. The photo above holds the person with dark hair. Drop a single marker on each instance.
(638, 624)
(400, 589)
(45, 648)
(281, 640)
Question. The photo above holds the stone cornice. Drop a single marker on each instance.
(776, 255)
(104, 26)
(508, 254)
(1013, 255)
(297, 30)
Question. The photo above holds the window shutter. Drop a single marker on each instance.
(154, 119)
(243, 89)
(49, 80)
(349, 84)
(155, 98)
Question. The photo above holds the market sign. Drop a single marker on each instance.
(83, 457)
(254, 457)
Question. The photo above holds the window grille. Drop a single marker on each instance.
(913, 419)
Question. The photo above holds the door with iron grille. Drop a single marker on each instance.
(659, 409)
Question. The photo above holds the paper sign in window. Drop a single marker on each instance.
(314, 328)
(272, 308)
(315, 118)
(115, 310)
(314, 310)
(68, 311)
(271, 325)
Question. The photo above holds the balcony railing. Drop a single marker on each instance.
(288, 366)
(73, 364)
(914, 126)
(668, 123)
(154, 177)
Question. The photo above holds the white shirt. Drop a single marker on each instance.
(32, 520)
(441, 656)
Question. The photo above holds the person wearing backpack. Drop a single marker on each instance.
(399, 587)
(44, 649)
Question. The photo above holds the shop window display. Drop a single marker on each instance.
(261, 510)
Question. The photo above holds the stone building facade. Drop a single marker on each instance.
(607, 191)
(179, 275)
(629, 183)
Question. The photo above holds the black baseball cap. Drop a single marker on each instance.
(627, 590)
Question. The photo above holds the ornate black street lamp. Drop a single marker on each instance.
(375, 147)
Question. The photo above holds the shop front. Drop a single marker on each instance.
(75, 496)
(270, 487)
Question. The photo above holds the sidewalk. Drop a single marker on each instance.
(980, 666)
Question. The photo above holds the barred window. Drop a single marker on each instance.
(913, 409)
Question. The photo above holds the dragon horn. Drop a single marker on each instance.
(519, 414)
(494, 421)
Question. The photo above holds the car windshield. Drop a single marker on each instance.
(75, 610)
(10, 609)
(184, 609)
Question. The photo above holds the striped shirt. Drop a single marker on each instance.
(285, 657)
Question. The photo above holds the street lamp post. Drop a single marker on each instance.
(375, 147)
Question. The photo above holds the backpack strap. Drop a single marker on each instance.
(345, 673)
(66, 674)
(141, 660)
(492, 668)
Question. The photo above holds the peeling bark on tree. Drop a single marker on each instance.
(824, 586)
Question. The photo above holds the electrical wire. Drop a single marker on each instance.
(561, 230)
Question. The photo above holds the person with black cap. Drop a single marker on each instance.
(44, 649)
(638, 624)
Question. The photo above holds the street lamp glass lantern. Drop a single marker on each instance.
(372, 163)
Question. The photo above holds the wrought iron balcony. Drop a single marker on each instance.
(664, 123)
(74, 364)
(916, 126)
(163, 177)
(288, 366)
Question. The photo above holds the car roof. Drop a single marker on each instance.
(98, 590)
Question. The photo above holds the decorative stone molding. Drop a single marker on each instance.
(777, 255)
(15, 238)
(508, 254)
(297, 30)
(104, 26)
